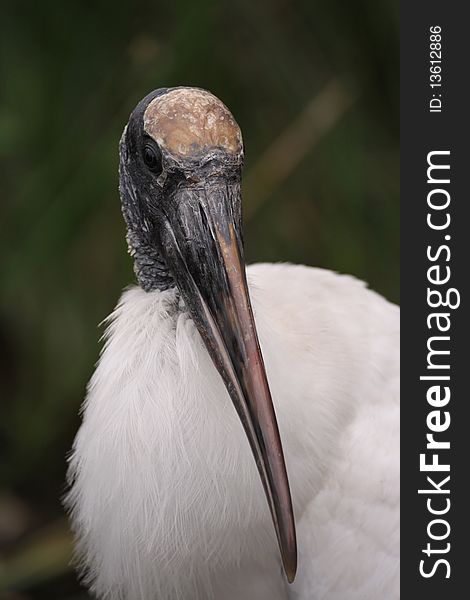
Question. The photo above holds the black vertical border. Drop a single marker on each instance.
(422, 132)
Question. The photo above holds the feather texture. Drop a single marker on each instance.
(165, 498)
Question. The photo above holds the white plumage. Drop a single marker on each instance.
(166, 500)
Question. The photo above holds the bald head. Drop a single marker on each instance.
(190, 122)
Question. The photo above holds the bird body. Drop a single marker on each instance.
(166, 499)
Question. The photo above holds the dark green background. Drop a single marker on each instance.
(70, 73)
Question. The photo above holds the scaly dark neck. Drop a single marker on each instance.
(151, 271)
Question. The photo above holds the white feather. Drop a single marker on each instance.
(165, 497)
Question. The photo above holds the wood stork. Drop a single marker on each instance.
(165, 497)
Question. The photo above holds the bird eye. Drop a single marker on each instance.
(152, 158)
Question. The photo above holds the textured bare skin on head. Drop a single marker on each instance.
(188, 121)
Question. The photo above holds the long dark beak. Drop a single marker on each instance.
(204, 251)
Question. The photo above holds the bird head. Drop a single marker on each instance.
(181, 157)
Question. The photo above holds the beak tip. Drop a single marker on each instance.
(291, 571)
(289, 560)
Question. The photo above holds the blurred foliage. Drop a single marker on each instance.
(70, 75)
